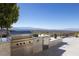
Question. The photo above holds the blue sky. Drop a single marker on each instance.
(48, 16)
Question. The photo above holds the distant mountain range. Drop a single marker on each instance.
(28, 30)
(40, 29)
(25, 28)
(72, 29)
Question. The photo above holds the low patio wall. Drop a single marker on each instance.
(5, 49)
(54, 42)
(37, 45)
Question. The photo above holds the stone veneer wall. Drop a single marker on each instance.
(23, 47)
(37, 44)
(46, 40)
(5, 49)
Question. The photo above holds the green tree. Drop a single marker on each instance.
(9, 13)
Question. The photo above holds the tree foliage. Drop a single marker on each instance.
(9, 13)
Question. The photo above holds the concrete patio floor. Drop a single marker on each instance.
(69, 47)
(72, 47)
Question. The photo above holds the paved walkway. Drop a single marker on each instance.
(72, 47)
(69, 47)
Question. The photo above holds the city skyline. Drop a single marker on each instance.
(48, 16)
